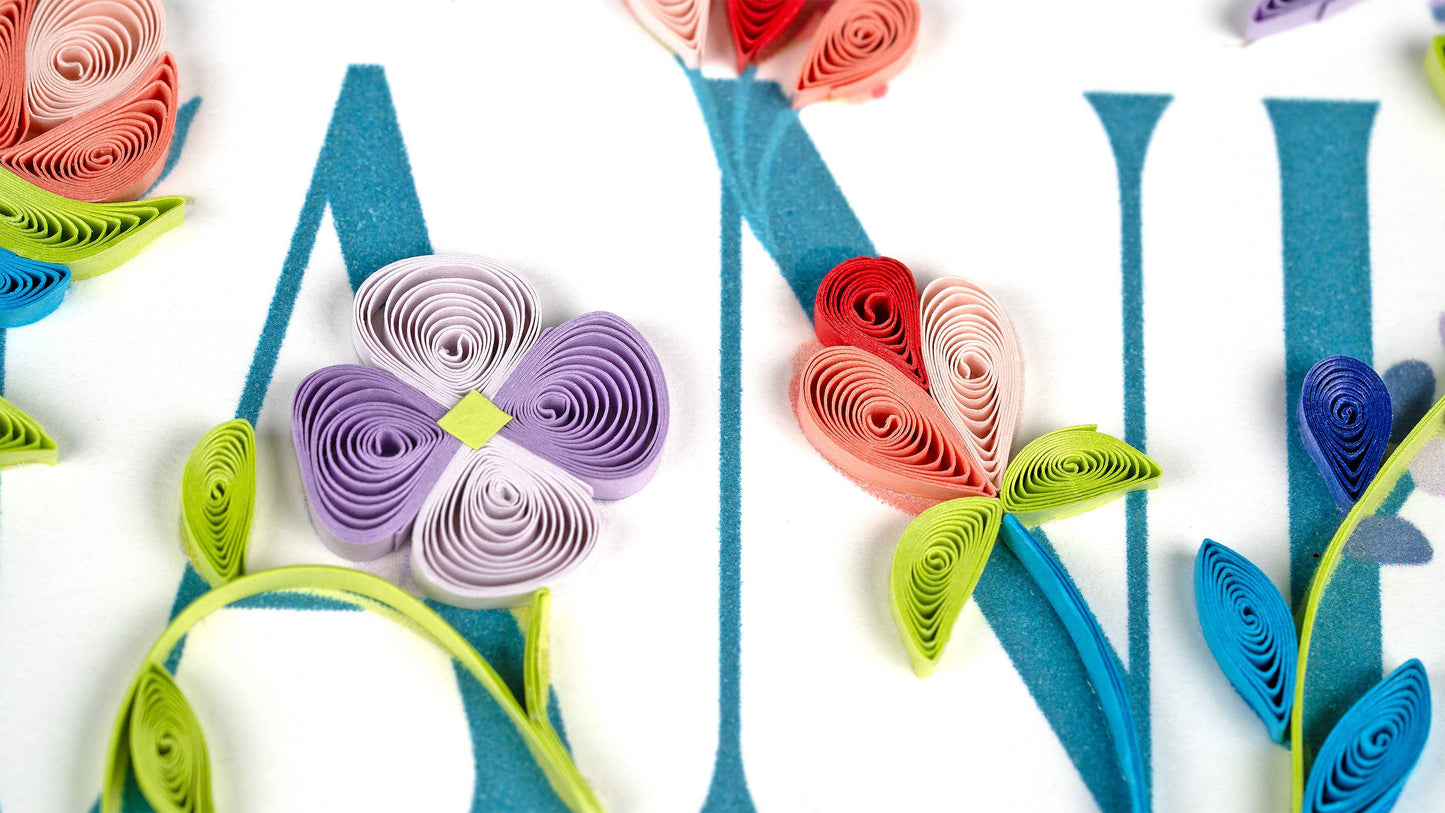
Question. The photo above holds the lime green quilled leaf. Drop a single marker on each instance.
(91, 238)
(1069, 471)
(167, 749)
(218, 497)
(22, 440)
(937, 563)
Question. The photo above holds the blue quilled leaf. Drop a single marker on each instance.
(29, 290)
(1389, 540)
(1370, 752)
(1249, 630)
(1345, 419)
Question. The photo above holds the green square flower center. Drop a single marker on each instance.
(474, 420)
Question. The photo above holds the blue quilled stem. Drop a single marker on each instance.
(1093, 648)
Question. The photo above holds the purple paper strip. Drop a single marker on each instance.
(370, 451)
(501, 523)
(590, 397)
(1273, 16)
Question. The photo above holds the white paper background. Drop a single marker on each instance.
(559, 138)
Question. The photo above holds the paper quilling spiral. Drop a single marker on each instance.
(112, 153)
(1069, 471)
(1273, 16)
(446, 324)
(681, 25)
(29, 290)
(759, 25)
(870, 421)
(935, 567)
(859, 46)
(871, 303)
(482, 441)
(167, 749)
(22, 440)
(1368, 755)
(974, 367)
(218, 498)
(1249, 630)
(1344, 418)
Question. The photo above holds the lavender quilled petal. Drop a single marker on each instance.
(590, 397)
(370, 451)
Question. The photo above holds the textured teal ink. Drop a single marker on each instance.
(364, 176)
(507, 776)
(776, 179)
(184, 116)
(779, 181)
(1129, 120)
(1323, 151)
(728, 790)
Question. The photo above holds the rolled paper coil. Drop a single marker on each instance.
(218, 498)
(90, 238)
(1069, 471)
(500, 524)
(858, 47)
(681, 25)
(112, 153)
(22, 440)
(1273, 16)
(1249, 630)
(759, 26)
(81, 54)
(14, 25)
(975, 369)
(874, 424)
(1345, 422)
(1093, 647)
(1368, 755)
(29, 290)
(166, 746)
(591, 397)
(935, 568)
(871, 303)
(370, 452)
(446, 324)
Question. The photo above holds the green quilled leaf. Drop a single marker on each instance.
(91, 238)
(167, 748)
(935, 568)
(218, 498)
(1070, 471)
(22, 440)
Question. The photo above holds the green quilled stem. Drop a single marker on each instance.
(1368, 503)
(156, 732)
